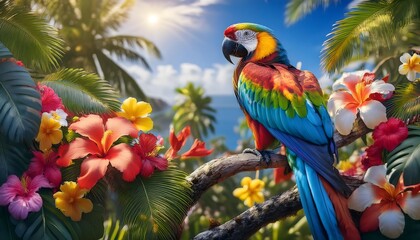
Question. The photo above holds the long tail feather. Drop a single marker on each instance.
(345, 222)
(315, 201)
(308, 203)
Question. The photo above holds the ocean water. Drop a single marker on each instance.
(228, 117)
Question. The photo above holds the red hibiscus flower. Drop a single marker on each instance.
(373, 156)
(97, 145)
(198, 149)
(390, 134)
(177, 142)
(147, 151)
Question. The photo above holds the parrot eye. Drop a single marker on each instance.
(246, 34)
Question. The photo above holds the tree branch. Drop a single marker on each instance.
(275, 208)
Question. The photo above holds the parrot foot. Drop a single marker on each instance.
(263, 154)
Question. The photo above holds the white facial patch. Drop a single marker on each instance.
(247, 38)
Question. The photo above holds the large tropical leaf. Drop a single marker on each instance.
(29, 37)
(50, 223)
(20, 103)
(83, 92)
(406, 159)
(154, 208)
(372, 22)
(7, 229)
(14, 158)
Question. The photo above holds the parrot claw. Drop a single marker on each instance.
(263, 155)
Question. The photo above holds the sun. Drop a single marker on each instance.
(153, 19)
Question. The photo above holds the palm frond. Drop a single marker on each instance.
(112, 15)
(20, 104)
(376, 23)
(131, 41)
(297, 9)
(83, 92)
(344, 39)
(154, 208)
(42, 47)
(119, 78)
(405, 104)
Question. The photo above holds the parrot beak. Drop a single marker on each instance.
(233, 48)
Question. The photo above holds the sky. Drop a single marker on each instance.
(189, 34)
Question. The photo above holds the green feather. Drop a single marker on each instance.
(290, 112)
(316, 98)
(299, 105)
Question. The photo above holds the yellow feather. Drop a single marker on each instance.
(266, 46)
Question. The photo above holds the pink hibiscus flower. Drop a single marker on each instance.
(355, 93)
(147, 151)
(383, 204)
(21, 195)
(97, 145)
(45, 164)
(49, 99)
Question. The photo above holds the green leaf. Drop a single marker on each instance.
(14, 159)
(50, 223)
(83, 92)
(154, 208)
(405, 104)
(113, 230)
(29, 37)
(7, 229)
(20, 104)
(406, 159)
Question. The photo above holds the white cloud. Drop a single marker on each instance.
(163, 81)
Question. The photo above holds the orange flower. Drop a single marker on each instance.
(70, 201)
(49, 133)
(198, 149)
(98, 144)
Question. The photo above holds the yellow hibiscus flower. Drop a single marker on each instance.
(251, 191)
(70, 201)
(138, 113)
(49, 132)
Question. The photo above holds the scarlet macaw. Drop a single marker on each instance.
(283, 103)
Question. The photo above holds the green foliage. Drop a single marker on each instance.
(113, 230)
(86, 27)
(155, 207)
(194, 111)
(50, 223)
(405, 104)
(83, 92)
(20, 103)
(297, 9)
(372, 23)
(18, 27)
(406, 159)
(14, 158)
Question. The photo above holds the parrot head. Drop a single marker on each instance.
(252, 42)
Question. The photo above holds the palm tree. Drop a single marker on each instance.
(194, 111)
(87, 27)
